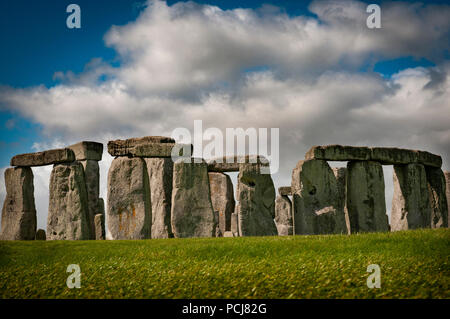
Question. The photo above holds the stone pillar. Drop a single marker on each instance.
(256, 195)
(447, 192)
(92, 177)
(410, 204)
(438, 200)
(315, 192)
(192, 212)
(19, 212)
(68, 213)
(129, 207)
(365, 197)
(341, 178)
(235, 222)
(222, 198)
(160, 172)
(99, 223)
(283, 216)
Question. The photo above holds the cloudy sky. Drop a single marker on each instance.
(312, 69)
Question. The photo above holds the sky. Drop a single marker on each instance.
(136, 68)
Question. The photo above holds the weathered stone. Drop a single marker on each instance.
(283, 216)
(86, 150)
(410, 204)
(338, 153)
(447, 192)
(68, 213)
(235, 222)
(232, 163)
(129, 204)
(429, 159)
(92, 178)
(256, 195)
(192, 212)
(40, 235)
(218, 232)
(99, 222)
(393, 155)
(326, 220)
(438, 200)
(341, 178)
(365, 197)
(19, 212)
(148, 146)
(222, 198)
(228, 234)
(57, 156)
(285, 191)
(315, 192)
(160, 172)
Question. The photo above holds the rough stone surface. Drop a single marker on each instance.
(283, 216)
(338, 153)
(160, 172)
(447, 192)
(228, 234)
(222, 198)
(393, 155)
(341, 178)
(429, 159)
(438, 199)
(192, 212)
(365, 197)
(285, 191)
(232, 163)
(19, 212)
(410, 204)
(315, 192)
(86, 150)
(40, 235)
(68, 213)
(99, 222)
(92, 177)
(148, 146)
(57, 156)
(256, 195)
(235, 222)
(129, 204)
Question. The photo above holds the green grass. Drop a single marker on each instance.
(414, 264)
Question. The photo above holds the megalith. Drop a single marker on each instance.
(438, 200)
(410, 204)
(19, 212)
(283, 215)
(99, 223)
(235, 221)
(129, 204)
(365, 197)
(315, 193)
(256, 196)
(222, 198)
(192, 213)
(68, 213)
(160, 172)
(40, 235)
(92, 177)
(341, 178)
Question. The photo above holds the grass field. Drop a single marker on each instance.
(414, 264)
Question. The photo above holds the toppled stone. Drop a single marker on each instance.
(222, 198)
(19, 212)
(56, 156)
(232, 163)
(285, 191)
(410, 204)
(92, 178)
(148, 146)
(129, 204)
(40, 235)
(338, 153)
(68, 213)
(314, 189)
(438, 199)
(86, 150)
(256, 195)
(99, 222)
(283, 216)
(192, 212)
(160, 178)
(365, 197)
(341, 178)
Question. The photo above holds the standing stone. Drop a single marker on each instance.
(410, 204)
(341, 178)
(99, 223)
(19, 212)
(222, 198)
(256, 195)
(235, 222)
(68, 212)
(365, 197)
(40, 235)
(438, 200)
(283, 216)
(129, 207)
(315, 192)
(447, 192)
(160, 172)
(87, 151)
(192, 212)
(92, 177)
